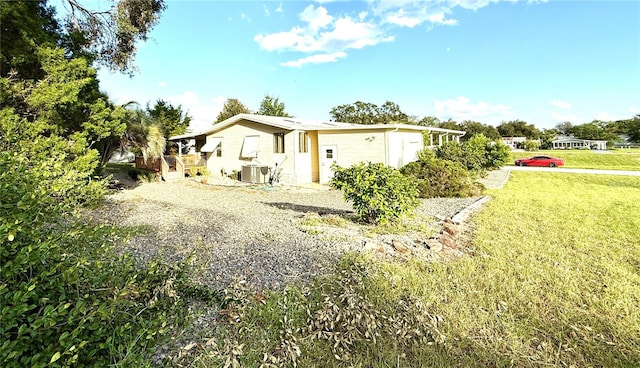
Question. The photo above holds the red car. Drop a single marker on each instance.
(540, 161)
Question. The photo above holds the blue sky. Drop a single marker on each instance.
(543, 62)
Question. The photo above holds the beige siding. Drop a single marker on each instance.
(355, 146)
(403, 147)
(315, 155)
(293, 166)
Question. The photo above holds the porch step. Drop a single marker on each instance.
(173, 175)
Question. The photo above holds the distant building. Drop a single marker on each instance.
(568, 142)
(514, 142)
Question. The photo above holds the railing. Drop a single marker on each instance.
(165, 168)
(180, 166)
(193, 160)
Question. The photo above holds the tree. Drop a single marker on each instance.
(273, 107)
(631, 128)
(565, 128)
(450, 124)
(596, 130)
(367, 113)
(171, 120)
(231, 108)
(473, 128)
(547, 136)
(518, 128)
(24, 25)
(110, 35)
(431, 121)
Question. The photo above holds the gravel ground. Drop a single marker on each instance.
(267, 236)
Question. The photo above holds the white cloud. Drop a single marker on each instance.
(266, 10)
(461, 108)
(279, 8)
(316, 59)
(322, 35)
(245, 17)
(162, 84)
(317, 18)
(560, 104)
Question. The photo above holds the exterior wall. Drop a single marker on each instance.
(354, 146)
(315, 157)
(403, 147)
(232, 140)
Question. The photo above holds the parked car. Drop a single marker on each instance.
(540, 161)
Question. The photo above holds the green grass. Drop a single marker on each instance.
(621, 159)
(553, 279)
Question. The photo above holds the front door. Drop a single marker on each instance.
(328, 156)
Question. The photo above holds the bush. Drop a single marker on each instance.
(441, 178)
(379, 193)
(65, 297)
(531, 145)
(477, 154)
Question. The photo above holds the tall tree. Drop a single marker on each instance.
(474, 128)
(518, 128)
(431, 121)
(25, 25)
(231, 108)
(273, 107)
(565, 128)
(368, 113)
(171, 120)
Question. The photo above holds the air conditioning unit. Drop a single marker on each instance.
(255, 174)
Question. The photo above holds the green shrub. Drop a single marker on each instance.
(379, 193)
(531, 145)
(65, 297)
(477, 154)
(441, 178)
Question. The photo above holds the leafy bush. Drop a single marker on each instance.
(477, 154)
(379, 193)
(65, 297)
(531, 145)
(144, 175)
(441, 178)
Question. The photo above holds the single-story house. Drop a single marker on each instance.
(513, 142)
(296, 151)
(567, 142)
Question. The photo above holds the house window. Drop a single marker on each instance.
(250, 146)
(329, 153)
(278, 142)
(303, 144)
(219, 150)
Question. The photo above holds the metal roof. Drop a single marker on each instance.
(306, 124)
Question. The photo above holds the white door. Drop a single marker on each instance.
(328, 156)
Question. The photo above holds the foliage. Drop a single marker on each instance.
(531, 145)
(597, 130)
(441, 178)
(272, 106)
(547, 136)
(66, 297)
(110, 35)
(367, 113)
(231, 108)
(477, 154)
(379, 193)
(630, 127)
(473, 128)
(357, 313)
(171, 120)
(66, 102)
(518, 128)
(25, 25)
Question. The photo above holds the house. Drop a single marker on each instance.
(295, 151)
(514, 142)
(567, 142)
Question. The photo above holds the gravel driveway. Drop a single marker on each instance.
(257, 233)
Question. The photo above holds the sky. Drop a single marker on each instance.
(544, 62)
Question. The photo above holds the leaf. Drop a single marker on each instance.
(55, 357)
(11, 237)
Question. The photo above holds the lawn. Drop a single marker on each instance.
(621, 159)
(552, 278)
